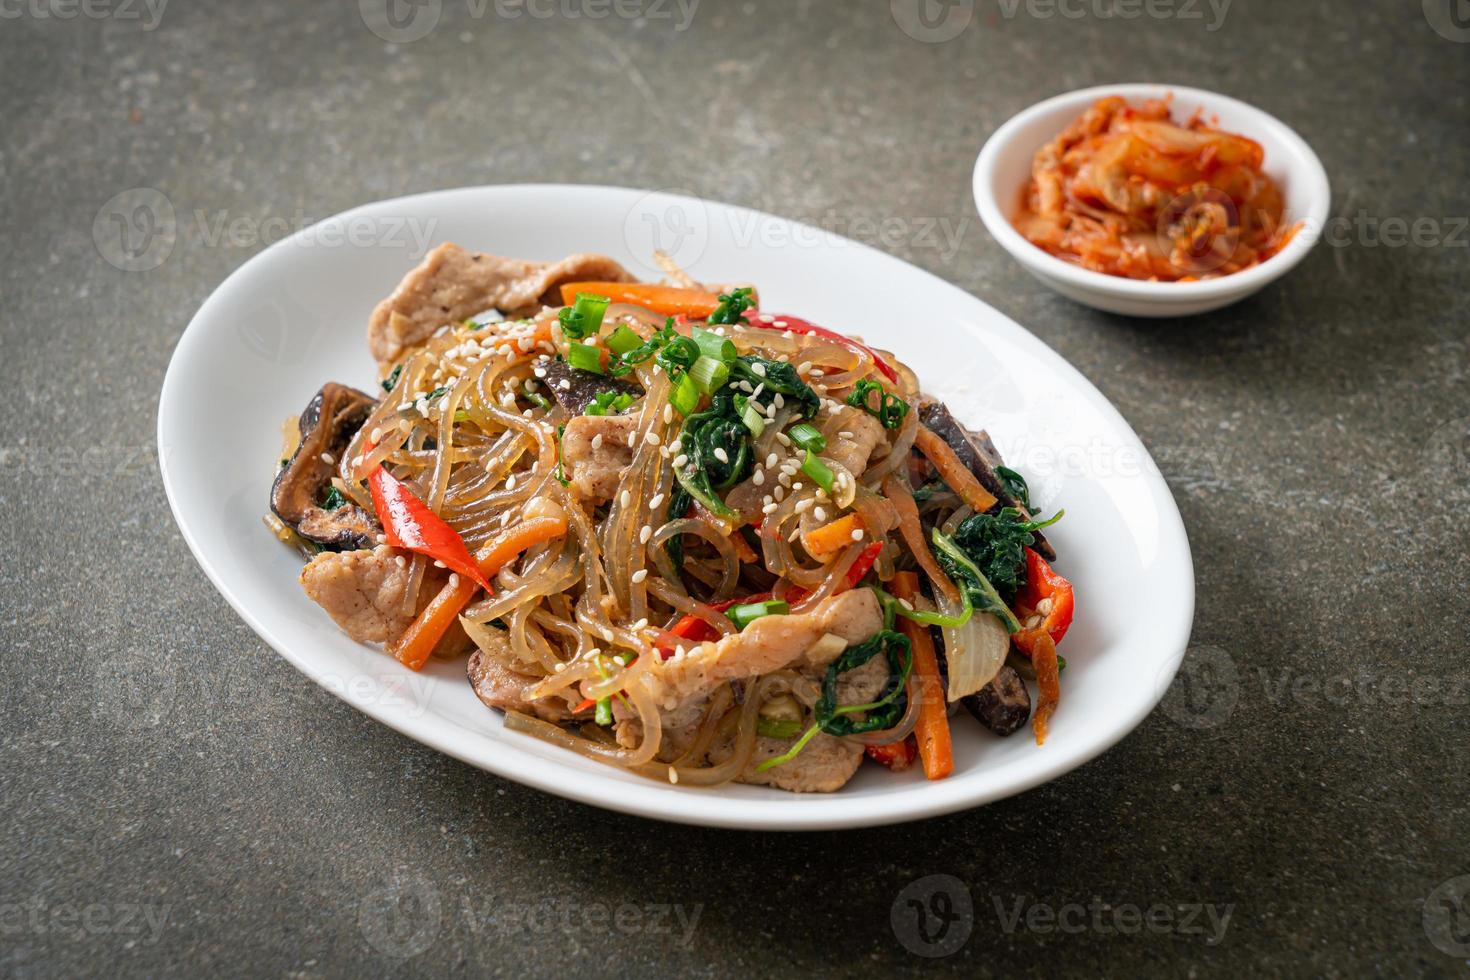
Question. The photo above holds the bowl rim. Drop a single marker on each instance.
(1311, 173)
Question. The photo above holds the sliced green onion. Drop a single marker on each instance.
(585, 357)
(894, 607)
(583, 318)
(807, 437)
(685, 396)
(710, 374)
(819, 471)
(713, 345)
(751, 416)
(604, 712)
(776, 728)
(743, 615)
(622, 340)
(534, 397)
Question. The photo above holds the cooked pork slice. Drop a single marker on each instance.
(851, 435)
(499, 685)
(363, 592)
(595, 465)
(824, 766)
(768, 644)
(453, 284)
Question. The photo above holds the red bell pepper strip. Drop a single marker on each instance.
(768, 321)
(1043, 583)
(409, 523)
(897, 756)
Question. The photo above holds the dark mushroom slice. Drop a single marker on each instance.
(582, 387)
(1003, 705)
(302, 494)
(980, 456)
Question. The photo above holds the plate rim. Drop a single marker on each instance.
(797, 812)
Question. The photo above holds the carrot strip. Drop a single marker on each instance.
(1048, 680)
(954, 472)
(902, 499)
(932, 731)
(418, 641)
(832, 536)
(668, 300)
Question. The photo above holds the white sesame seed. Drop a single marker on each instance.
(802, 506)
(376, 434)
(651, 438)
(625, 498)
(769, 508)
(668, 414)
(796, 486)
(510, 482)
(644, 535)
(329, 459)
(906, 604)
(780, 323)
(721, 455)
(540, 372)
(676, 446)
(560, 667)
(857, 534)
(439, 564)
(758, 478)
(642, 623)
(681, 460)
(597, 441)
(402, 561)
(758, 369)
(803, 367)
(454, 580)
(632, 439)
(563, 385)
(780, 493)
(673, 775)
(783, 438)
(772, 460)
(639, 575)
(779, 401)
(658, 498)
(820, 513)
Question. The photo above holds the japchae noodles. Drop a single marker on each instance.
(673, 532)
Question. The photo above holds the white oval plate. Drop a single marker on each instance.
(294, 317)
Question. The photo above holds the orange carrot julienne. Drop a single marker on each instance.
(668, 300)
(1048, 679)
(913, 534)
(952, 471)
(932, 732)
(418, 641)
(832, 536)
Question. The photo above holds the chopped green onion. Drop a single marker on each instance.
(710, 374)
(604, 712)
(684, 396)
(585, 357)
(751, 416)
(743, 615)
(807, 437)
(583, 318)
(733, 306)
(535, 398)
(777, 728)
(819, 471)
(891, 408)
(608, 403)
(622, 340)
(713, 345)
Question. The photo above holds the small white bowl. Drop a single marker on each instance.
(1004, 166)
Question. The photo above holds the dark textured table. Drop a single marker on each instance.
(177, 799)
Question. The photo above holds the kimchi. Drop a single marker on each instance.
(1128, 191)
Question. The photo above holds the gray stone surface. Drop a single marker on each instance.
(158, 760)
